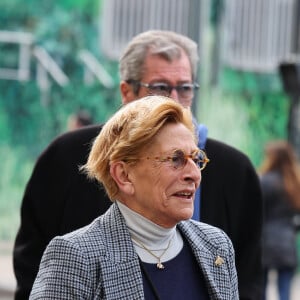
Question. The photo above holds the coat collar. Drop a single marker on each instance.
(203, 239)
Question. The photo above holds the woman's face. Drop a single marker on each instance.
(162, 193)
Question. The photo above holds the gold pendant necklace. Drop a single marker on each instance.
(159, 265)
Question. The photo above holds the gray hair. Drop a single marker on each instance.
(166, 44)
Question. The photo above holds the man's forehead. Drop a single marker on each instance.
(159, 68)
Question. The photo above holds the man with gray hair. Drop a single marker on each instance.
(59, 199)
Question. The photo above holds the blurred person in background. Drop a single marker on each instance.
(280, 182)
(58, 198)
(79, 119)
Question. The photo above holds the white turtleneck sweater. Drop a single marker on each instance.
(154, 237)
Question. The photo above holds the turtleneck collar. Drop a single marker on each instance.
(151, 235)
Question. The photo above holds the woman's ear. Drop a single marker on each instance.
(119, 172)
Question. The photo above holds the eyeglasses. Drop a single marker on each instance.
(185, 90)
(179, 159)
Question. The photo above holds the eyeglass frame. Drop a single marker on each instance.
(169, 88)
(185, 157)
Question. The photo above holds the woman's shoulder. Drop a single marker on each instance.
(205, 234)
(94, 235)
(82, 239)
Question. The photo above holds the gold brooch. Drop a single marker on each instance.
(219, 261)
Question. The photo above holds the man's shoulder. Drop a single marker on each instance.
(73, 143)
(226, 158)
(220, 149)
(84, 134)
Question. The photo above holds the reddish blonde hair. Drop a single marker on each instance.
(128, 132)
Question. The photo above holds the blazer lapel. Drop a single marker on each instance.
(121, 266)
(212, 262)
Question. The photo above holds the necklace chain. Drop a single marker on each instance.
(159, 265)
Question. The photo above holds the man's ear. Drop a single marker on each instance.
(119, 172)
(127, 93)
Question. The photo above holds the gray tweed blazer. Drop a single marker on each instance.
(98, 261)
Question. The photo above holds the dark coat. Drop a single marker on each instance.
(279, 230)
(58, 199)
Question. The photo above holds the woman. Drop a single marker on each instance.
(280, 181)
(145, 246)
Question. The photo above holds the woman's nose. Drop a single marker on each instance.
(192, 172)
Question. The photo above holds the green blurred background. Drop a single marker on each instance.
(244, 109)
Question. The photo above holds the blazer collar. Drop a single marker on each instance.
(206, 251)
(209, 255)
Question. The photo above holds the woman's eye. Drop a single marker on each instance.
(175, 158)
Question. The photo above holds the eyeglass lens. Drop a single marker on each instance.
(179, 159)
(162, 89)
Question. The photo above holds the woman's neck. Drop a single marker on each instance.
(152, 236)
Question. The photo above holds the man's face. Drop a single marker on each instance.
(159, 70)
